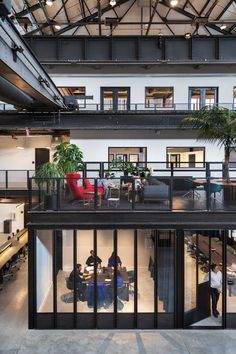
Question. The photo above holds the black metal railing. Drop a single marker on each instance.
(15, 179)
(160, 186)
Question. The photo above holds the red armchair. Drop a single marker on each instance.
(78, 191)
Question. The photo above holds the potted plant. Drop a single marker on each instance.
(216, 125)
(46, 176)
(68, 157)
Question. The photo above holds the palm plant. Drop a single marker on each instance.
(216, 125)
(68, 157)
(46, 176)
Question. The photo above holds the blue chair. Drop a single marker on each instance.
(214, 188)
(192, 189)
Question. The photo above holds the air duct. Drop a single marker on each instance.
(11, 94)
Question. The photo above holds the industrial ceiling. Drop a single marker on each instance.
(125, 17)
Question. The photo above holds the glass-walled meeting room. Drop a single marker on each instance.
(126, 278)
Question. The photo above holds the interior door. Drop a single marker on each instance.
(191, 160)
(115, 98)
(197, 289)
(41, 156)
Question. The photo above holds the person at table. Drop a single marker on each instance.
(112, 261)
(215, 287)
(110, 290)
(79, 279)
(106, 183)
(91, 259)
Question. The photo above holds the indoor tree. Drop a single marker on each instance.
(68, 157)
(215, 125)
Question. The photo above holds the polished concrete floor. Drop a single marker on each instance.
(15, 338)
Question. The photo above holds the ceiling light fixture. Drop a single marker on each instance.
(57, 26)
(49, 2)
(187, 35)
(173, 2)
(112, 2)
(222, 27)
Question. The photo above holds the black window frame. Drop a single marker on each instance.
(186, 147)
(156, 87)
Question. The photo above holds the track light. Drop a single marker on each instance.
(49, 2)
(173, 2)
(222, 27)
(112, 2)
(57, 26)
(187, 35)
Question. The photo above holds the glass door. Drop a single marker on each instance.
(202, 96)
(115, 98)
(202, 267)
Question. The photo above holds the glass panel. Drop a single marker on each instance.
(190, 274)
(105, 283)
(145, 271)
(122, 97)
(231, 272)
(84, 258)
(165, 271)
(44, 278)
(195, 97)
(210, 97)
(65, 283)
(108, 97)
(125, 272)
(159, 97)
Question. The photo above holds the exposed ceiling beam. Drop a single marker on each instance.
(152, 16)
(29, 10)
(90, 17)
(225, 9)
(64, 8)
(123, 16)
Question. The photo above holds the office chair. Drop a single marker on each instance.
(192, 189)
(15, 262)
(214, 188)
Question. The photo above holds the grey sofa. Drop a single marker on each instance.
(156, 192)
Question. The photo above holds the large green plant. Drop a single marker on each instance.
(46, 176)
(215, 125)
(68, 157)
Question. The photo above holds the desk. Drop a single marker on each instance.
(6, 255)
(89, 201)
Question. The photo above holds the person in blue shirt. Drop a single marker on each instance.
(106, 183)
(112, 261)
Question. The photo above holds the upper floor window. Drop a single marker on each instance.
(79, 92)
(202, 96)
(115, 98)
(189, 157)
(159, 97)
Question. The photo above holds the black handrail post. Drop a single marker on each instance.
(133, 194)
(171, 186)
(85, 170)
(6, 179)
(101, 172)
(208, 185)
(95, 193)
(58, 193)
(30, 193)
(27, 179)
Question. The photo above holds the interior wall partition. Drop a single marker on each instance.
(160, 279)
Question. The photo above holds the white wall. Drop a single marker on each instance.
(97, 149)
(8, 211)
(137, 85)
(105, 247)
(44, 268)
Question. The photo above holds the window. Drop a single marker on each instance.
(115, 98)
(202, 96)
(79, 92)
(159, 97)
(128, 154)
(190, 157)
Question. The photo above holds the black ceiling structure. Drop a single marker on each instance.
(133, 17)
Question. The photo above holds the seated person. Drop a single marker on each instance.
(106, 183)
(112, 261)
(110, 290)
(137, 186)
(91, 259)
(79, 278)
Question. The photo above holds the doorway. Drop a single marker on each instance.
(41, 156)
(115, 98)
(202, 249)
(202, 96)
